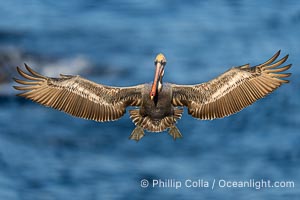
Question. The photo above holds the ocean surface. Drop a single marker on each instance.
(46, 154)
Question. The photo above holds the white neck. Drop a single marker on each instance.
(159, 85)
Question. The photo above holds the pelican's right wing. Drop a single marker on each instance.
(78, 96)
(232, 91)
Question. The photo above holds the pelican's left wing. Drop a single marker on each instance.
(234, 90)
(78, 96)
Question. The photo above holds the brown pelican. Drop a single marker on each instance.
(158, 105)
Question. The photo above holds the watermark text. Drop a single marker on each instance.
(256, 184)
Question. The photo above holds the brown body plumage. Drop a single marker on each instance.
(159, 104)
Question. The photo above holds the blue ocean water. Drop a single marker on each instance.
(46, 154)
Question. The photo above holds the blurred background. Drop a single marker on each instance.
(46, 154)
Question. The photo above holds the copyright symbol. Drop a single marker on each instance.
(144, 183)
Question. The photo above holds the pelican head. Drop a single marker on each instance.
(160, 63)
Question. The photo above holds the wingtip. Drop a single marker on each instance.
(34, 73)
(287, 56)
(284, 59)
(15, 79)
(288, 66)
(19, 70)
(282, 81)
(21, 94)
(271, 60)
(278, 52)
(16, 87)
(288, 74)
(26, 66)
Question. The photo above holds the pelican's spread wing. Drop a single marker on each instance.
(234, 90)
(78, 96)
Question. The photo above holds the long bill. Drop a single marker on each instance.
(154, 88)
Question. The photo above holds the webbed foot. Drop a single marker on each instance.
(137, 133)
(174, 132)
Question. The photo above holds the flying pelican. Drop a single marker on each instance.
(158, 105)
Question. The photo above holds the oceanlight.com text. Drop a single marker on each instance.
(256, 184)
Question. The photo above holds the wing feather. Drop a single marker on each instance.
(78, 96)
(234, 90)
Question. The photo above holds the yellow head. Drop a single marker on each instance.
(160, 58)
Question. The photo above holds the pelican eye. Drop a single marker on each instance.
(162, 62)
